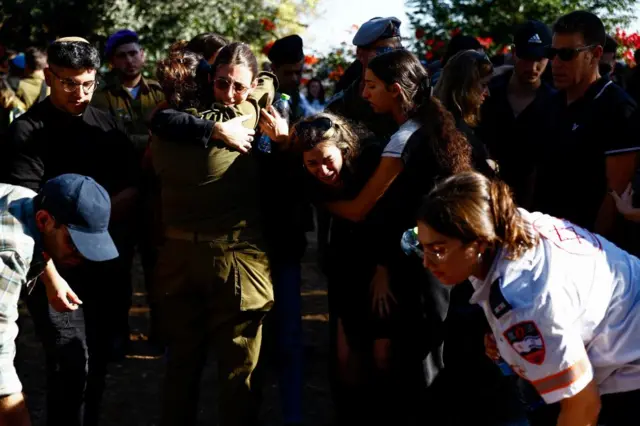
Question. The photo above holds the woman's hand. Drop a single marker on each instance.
(234, 134)
(274, 126)
(624, 204)
(381, 296)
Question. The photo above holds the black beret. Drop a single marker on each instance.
(287, 50)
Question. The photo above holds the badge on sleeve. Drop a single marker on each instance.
(525, 338)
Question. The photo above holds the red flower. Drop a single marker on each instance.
(455, 32)
(485, 42)
(439, 45)
(505, 49)
(429, 42)
(267, 24)
(267, 47)
(419, 33)
(429, 55)
(337, 73)
(311, 60)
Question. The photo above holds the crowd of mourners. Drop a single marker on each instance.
(475, 222)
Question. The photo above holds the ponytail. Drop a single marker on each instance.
(469, 207)
(449, 145)
(511, 231)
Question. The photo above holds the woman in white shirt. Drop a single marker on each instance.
(562, 302)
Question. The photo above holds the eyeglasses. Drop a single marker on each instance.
(70, 86)
(224, 83)
(441, 256)
(566, 54)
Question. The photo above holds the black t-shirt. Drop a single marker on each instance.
(571, 180)
(512, 141)
(45, 142)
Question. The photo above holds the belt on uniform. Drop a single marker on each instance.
(200, 237)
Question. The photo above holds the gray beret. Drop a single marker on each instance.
(377, 29)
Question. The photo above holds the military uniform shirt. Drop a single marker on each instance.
(567, 311)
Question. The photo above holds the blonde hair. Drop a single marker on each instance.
(469, 207)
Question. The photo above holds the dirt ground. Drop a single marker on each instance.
(133, 386)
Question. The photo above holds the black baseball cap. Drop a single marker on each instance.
(532, 39)
(84, 206)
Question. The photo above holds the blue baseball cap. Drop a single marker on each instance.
(84, 206)
(377, 29)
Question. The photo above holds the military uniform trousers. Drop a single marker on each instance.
(212, 292)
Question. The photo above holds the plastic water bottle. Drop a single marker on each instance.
(283, 106)
(410, 244)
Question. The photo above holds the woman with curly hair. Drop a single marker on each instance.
(381, 200)
(462, 89)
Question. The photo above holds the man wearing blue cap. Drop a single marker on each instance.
(63, 224)
(375, 37)
(64, 134)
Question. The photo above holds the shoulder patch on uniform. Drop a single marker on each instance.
(525, 338)
(497, 301)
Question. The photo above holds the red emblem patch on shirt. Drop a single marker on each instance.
(527, 341)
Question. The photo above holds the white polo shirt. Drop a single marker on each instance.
(566, 312)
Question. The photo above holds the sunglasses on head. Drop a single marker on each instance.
(224, 83)
(566, 53)
(323, 124)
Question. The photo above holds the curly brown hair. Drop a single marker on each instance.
(401, 67)
(459, 87)
(469, 207)
(177, 76)
(326, 127)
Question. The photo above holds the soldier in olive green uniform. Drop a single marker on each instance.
(126, 93)
(32, 87)
(213, 281)
(130, 97)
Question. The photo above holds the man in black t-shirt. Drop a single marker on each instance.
(591, 148)
(511, 116)
(64, 134)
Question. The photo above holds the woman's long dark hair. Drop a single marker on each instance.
(321, 96)
(402, 67)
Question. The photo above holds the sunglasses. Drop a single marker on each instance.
(566, 54)
(322, 124)
(223, 83)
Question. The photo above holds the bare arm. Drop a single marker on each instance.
(620, 170)
(358, 208)
(581, 409)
